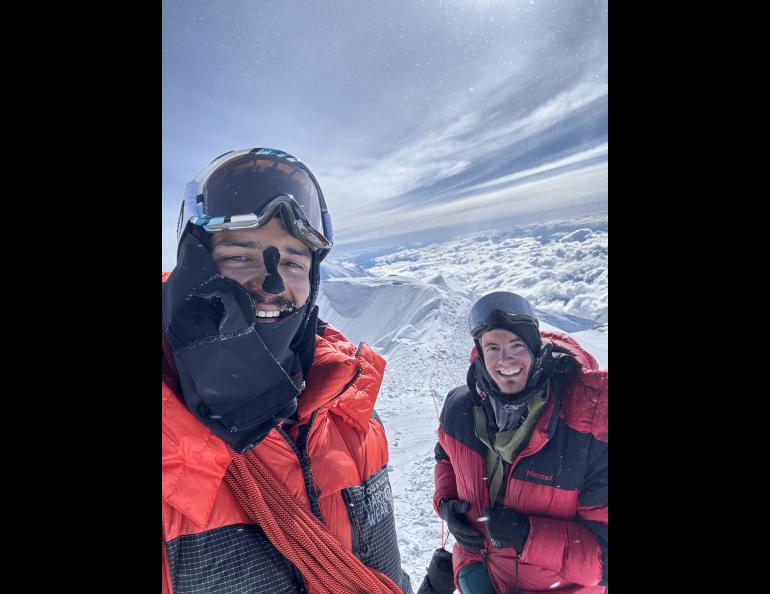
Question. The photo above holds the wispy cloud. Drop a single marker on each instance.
(581, 186)
(363, 196)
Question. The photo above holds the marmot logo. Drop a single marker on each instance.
(538, 475)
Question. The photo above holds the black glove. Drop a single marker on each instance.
(230, 379)
(453, 513)
(440, 578)
(506, 527)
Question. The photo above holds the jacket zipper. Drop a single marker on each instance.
(311, 486)
(312, 489)
(300, 450)
(355, 533)
(304, 463)
(355, 529)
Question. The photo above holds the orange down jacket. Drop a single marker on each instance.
(334, 461)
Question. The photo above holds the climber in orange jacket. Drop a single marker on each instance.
(274, 460)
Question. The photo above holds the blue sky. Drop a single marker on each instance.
(419, 119)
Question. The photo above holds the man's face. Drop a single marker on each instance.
(269, 263)
(507, 360)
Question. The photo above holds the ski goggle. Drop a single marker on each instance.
(500, 309)
(245, 189)
(499, 319)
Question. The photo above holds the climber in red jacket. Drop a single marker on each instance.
(521, 459)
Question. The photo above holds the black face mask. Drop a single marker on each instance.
(233, 371)
(277, 336)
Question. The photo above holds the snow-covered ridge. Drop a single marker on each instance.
(341, 270)
(388, 312)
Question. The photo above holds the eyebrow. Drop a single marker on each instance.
(255, 245)
(493, 343)
(298, 252)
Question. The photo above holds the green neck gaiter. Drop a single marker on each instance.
(506, 444)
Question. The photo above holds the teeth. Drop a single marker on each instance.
(268, 314)
(509, 372)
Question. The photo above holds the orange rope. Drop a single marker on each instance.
(327, 566)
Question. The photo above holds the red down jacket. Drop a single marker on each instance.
(559, 480)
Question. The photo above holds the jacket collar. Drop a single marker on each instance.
(344, 377)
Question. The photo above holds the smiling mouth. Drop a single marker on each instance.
(510, 373)
(273, 315)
